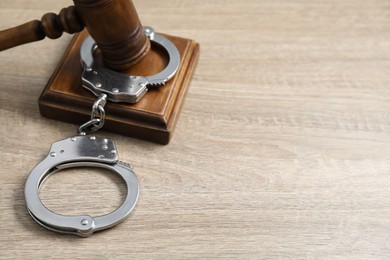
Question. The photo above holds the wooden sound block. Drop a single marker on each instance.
(153, 118)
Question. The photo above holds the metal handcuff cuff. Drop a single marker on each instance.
(85, 150)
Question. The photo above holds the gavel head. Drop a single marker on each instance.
(115, 27)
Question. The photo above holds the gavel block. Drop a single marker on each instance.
(152, 118)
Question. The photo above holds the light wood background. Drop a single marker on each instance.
(282, 149)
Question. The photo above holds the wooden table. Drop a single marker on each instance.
(282, 149)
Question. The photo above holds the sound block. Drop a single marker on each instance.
(153, 118)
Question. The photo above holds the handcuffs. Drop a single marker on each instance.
(120, 87)
(79, 151)
(86, 150)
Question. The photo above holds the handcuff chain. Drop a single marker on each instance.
(98, 116)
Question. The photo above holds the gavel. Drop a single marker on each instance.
(113, 24)
(161, 64)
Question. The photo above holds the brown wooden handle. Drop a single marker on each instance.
(51, 26)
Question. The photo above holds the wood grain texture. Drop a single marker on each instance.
(281, 151)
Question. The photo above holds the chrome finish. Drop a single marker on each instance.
(121, 87)
(79, 151)
(98, 117)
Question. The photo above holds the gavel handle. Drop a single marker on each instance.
(51, 26)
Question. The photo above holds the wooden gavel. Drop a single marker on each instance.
(113, 24)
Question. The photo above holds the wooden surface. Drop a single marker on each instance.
(281, 151)
(152, 118)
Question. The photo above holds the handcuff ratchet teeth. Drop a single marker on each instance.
(80, 151)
